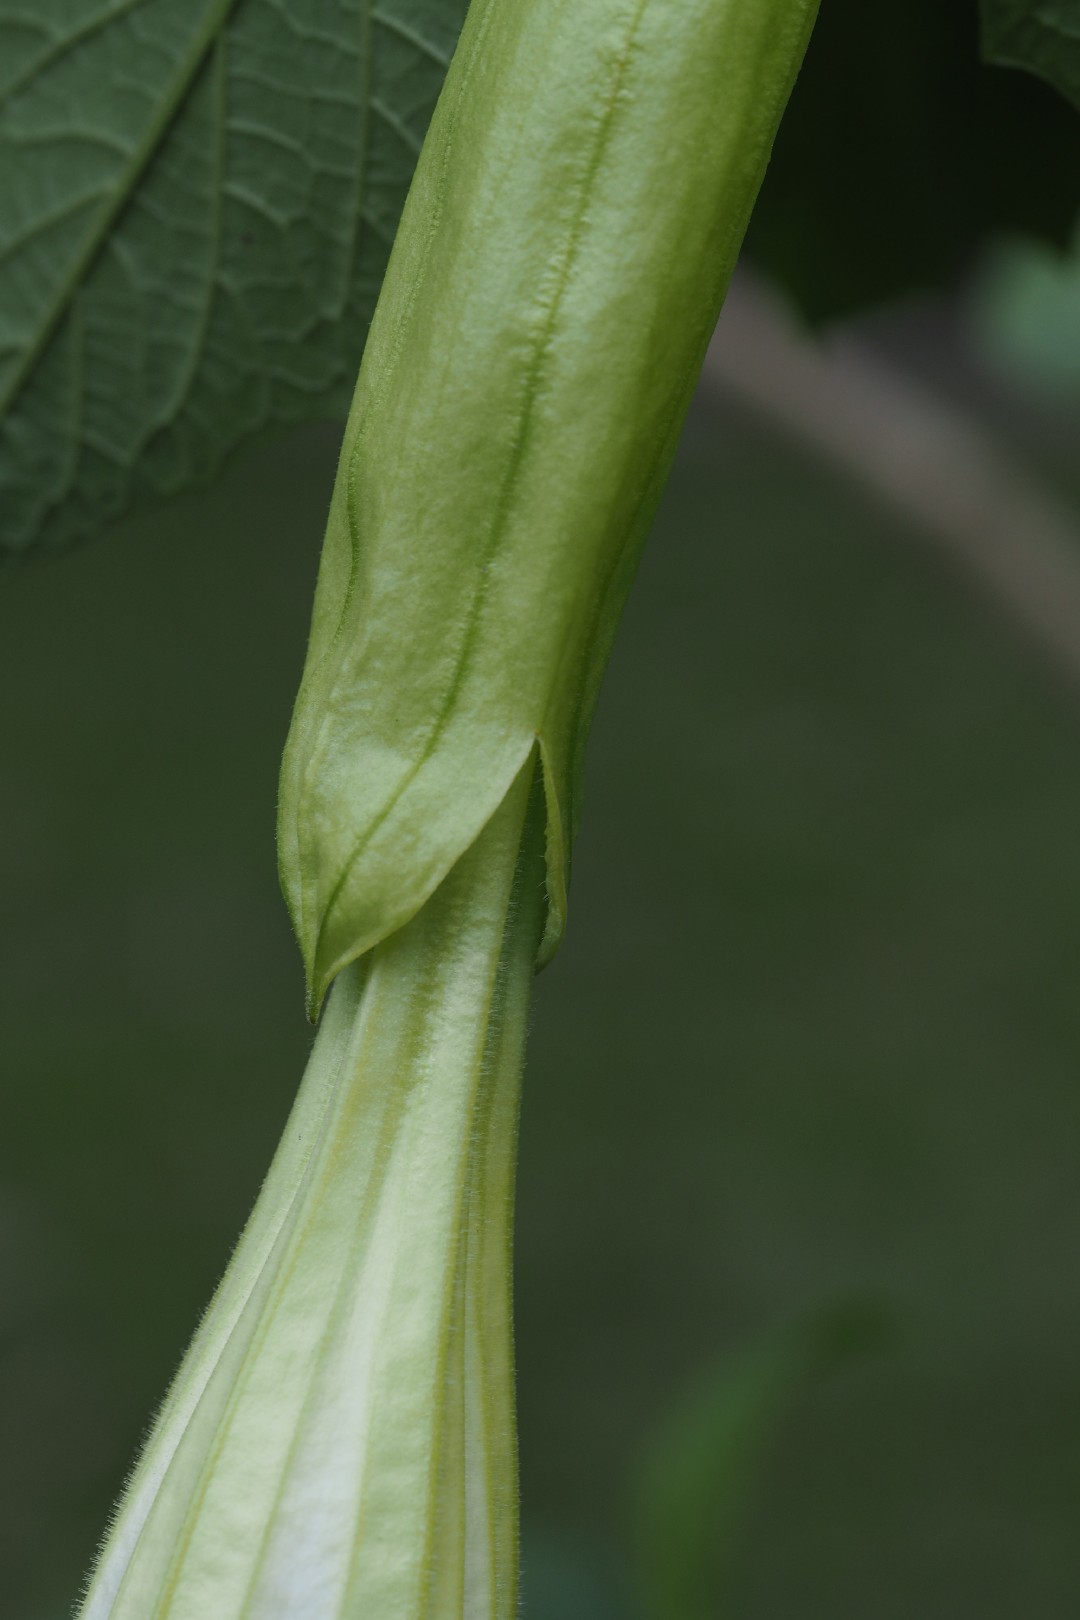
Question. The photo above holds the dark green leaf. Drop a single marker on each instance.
(197, 199)
(1040, 35)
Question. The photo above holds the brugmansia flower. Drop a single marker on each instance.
(339, 1442)
(340, 1439)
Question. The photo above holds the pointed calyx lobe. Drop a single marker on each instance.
(562, 258)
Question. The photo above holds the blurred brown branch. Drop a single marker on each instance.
(928, 459)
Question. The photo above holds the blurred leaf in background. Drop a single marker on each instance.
(1025, 308)
(699, 1475)
(1024, 316)
(900, 154)
(1040, 35)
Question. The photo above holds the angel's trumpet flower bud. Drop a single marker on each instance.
(339, 1442)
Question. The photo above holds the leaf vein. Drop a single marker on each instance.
(183, 79)
(403, 30)
(60, 47)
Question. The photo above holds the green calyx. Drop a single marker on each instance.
(570, 232)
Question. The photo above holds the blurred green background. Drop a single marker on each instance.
(814, 1034)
